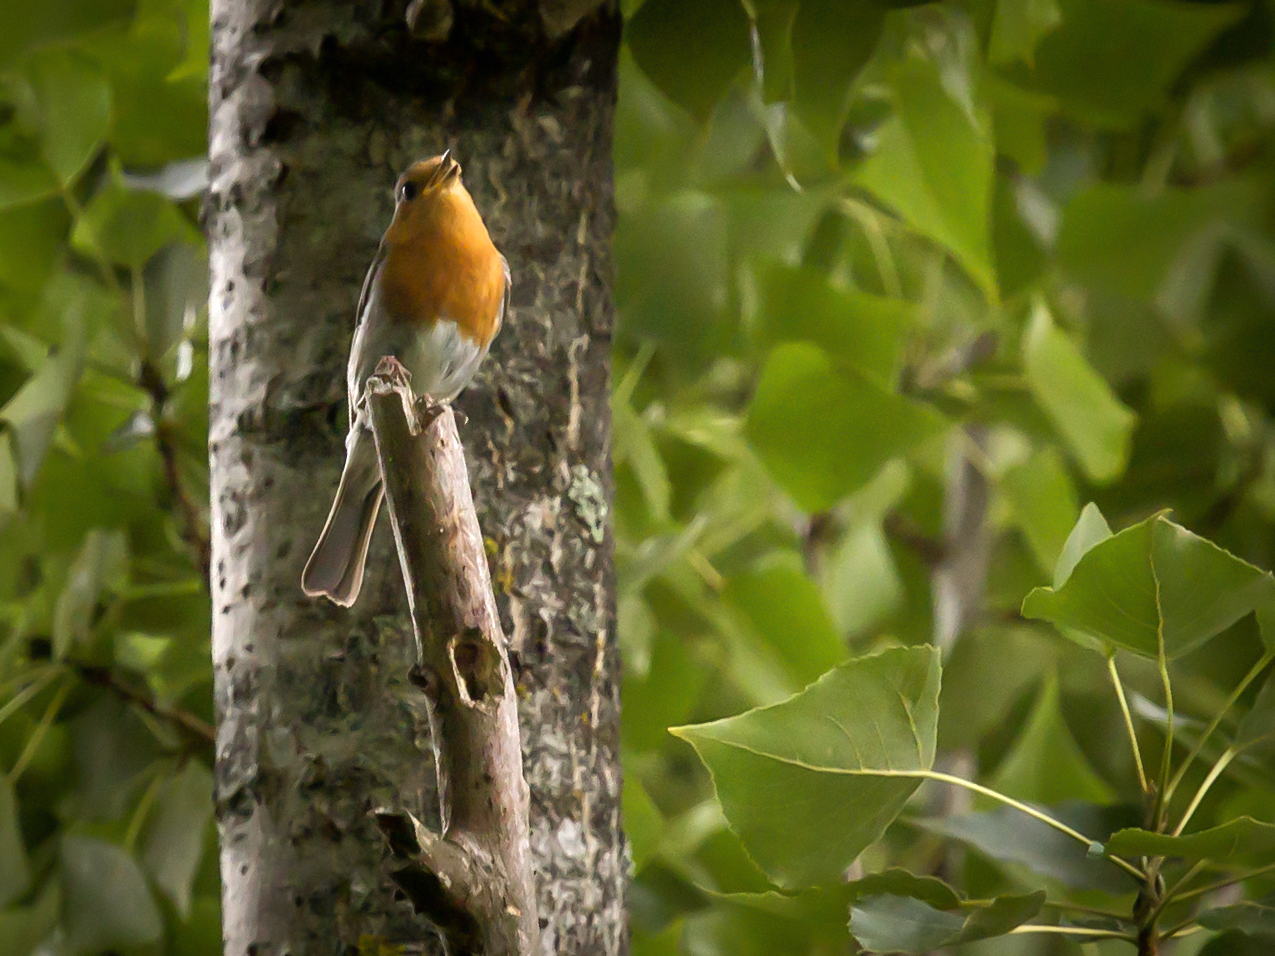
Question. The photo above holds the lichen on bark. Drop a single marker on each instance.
(316, 106)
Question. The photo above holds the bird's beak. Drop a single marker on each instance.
(448, 169)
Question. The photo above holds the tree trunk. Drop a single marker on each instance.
(316, 107)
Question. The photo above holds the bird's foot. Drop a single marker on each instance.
(391, 368)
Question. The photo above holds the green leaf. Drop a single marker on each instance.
(174, 838)
(34, 412)
(128, 227)
(100, 565)
(822, 433)
(934, 167)
(24, 182)
(1043, 500)
(667, 39)
(15, 870)
(107, 904)
(1010, 836)
(1018, 26)
(1242, 836)
(23, 928)
(1256, 735)
(1094, 423)
(1105, 75)
(1091, 529)
(800, 304)
(1266, 624)
(900, 924)
(1152, 587)
(8, 481)
(810, 782)
(66, 101)
(832, 40)
(1120, 240)
(784, 606)
(176, 287)
(1251, 917)
(200, 933)
(1045, 765)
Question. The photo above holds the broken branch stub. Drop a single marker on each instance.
(474, 879)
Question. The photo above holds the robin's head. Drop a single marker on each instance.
(427, 180)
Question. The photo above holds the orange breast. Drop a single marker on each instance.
(441, 263)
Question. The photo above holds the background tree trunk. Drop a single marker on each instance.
(316, 107)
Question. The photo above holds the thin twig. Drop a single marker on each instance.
(105, 677)
(1223, 884)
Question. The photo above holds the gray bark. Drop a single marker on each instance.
(316, 107)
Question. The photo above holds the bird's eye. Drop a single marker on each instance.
(409, 191)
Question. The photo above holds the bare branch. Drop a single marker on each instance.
(473, 880)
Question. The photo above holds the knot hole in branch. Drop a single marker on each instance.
(477, 664)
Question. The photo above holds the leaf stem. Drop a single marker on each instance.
(1070, 930)
(1128, 723)
(20, 699)
(1161, 804)
(37, 735)
(1086, 910)
(1229, 881)
(1251, 676)
(1169, 895)
(1228, 755)
(1031, 811)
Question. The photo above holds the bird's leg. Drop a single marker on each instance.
(396, 373)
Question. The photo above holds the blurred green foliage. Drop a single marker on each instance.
(863, 246)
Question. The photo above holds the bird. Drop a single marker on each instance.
(434, 297)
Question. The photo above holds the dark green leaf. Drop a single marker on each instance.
(822, 433)
(1257, 731)
(668, 40)
(8, 481)
(1241, 837)
(1095, 424)
(1010, 836)
(1093, 61)
(23, 928)
(107, 903)
(175, 833)
(933, 165)
(832, 40)
(1152, 588)
(1251, 917)
(906, 925)
(15, 871)
(810, 782)
(1045, 765)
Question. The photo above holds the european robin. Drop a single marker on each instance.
(433, 299)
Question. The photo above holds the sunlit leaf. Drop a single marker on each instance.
(67, 102)
(24, 182)
(1154, 587)
(1043, 499)
(1017, 27)
(934, 167)
(1091, 529)
(808, 783)
(1096, 425)
(129, 227)
(34, 412)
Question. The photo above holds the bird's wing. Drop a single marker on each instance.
(504, 300)
(360, 312)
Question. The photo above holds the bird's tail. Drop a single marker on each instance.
(335, 568)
